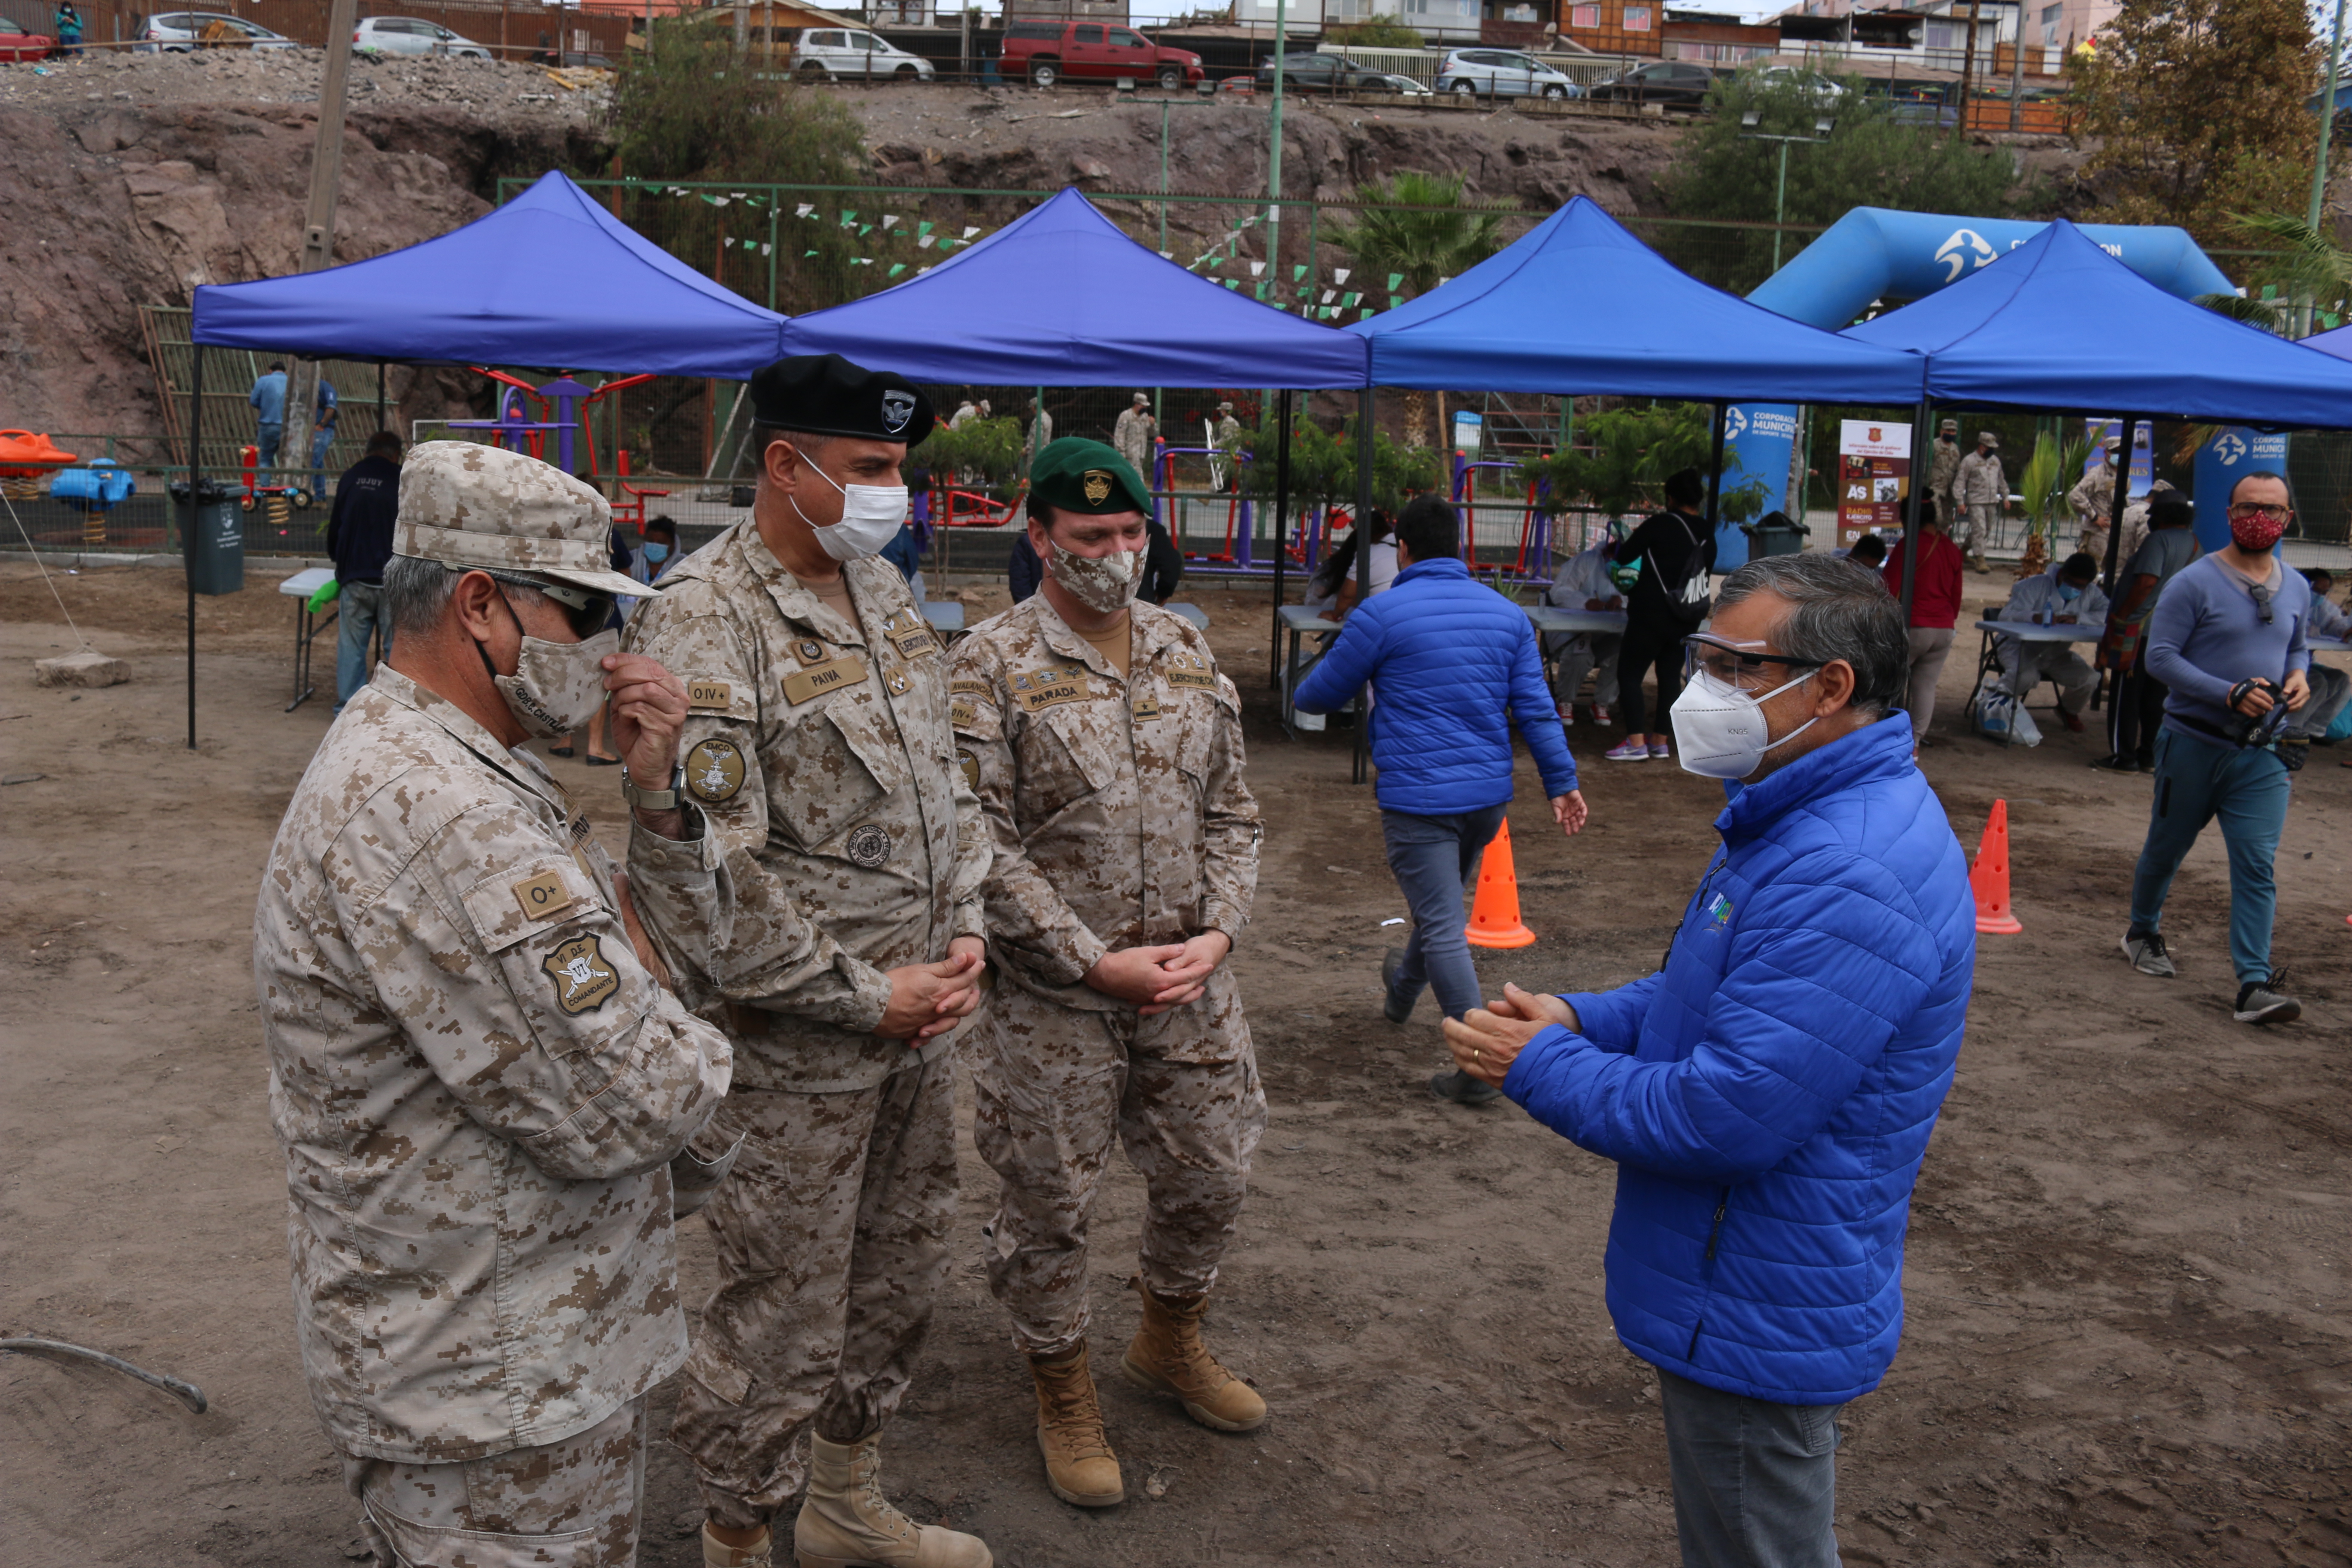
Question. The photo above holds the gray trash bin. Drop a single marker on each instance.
(211, 537)
(1774, 533)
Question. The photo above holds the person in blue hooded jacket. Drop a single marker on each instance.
(1769, 1094)
(1451, 663)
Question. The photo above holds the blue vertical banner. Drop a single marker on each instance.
(2143, 457)
(1762, 436)
(2235, 451)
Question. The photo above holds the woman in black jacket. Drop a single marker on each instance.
(1672, 546)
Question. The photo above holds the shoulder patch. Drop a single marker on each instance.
(968, 689)
(543, 897)
(971, 766)
(707, 695)
(1185, 668)
(584, 980)
(714, 771)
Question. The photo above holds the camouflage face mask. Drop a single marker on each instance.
(557, 686)
(1103, 583)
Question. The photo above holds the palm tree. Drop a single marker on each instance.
(1416, 224)
(2312, 274)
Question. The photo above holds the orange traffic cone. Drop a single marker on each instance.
(1988, 878)
(1495, 912)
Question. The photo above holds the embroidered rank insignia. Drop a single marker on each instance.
(717, 694)
(809, 650)
(1098, 483)
(584, 981)
(714, 771)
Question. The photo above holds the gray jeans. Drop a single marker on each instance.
(1755, 1482)
(1930, 645)
(1434, 858)
(1588, 653)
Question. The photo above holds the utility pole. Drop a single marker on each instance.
(2326, 121)
(1273, 156)
(318, 226)
(2016, 72)
(1967, 69)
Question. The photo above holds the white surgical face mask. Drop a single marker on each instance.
(1719, 729)
(871, 515)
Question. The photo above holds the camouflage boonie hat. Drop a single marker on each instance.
(1075, 474)
(463, 505)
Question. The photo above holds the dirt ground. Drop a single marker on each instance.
(2127, 1339)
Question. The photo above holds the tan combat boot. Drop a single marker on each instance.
(1168, 1357)
(847, 1522)
(1079, 1465)
(717, 1553)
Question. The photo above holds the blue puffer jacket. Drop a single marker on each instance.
(1446, 656)
(1768, 1097)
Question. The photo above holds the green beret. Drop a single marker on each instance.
(1075, 474)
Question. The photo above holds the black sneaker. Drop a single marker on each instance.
(2118, 765)
(1393, 1010)
(2145, 951)
(1462, 1089)
(2258, 1003)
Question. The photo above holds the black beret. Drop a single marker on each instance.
(824, 394)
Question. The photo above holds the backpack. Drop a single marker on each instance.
(1686, 593)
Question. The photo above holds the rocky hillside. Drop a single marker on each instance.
(133, 178)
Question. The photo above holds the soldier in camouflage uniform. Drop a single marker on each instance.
(1943, 474)
(2093, 500)
(818, 745)
(1136, 435)
(483, 1092)
(1106, 751)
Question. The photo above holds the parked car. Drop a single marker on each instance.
(1502, 73)
(1825, 91)
(1318, 72)
(829, 54)
(1669, 84)
(21, 44)
(1045, 52)
(1404, 85)
(413, 36)
(177, 32)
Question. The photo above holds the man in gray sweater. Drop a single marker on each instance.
(2228, 641)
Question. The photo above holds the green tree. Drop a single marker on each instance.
(691, 108)
(1623, 456)
(2200, 111)
(1869, 159)
(1375, 33)
(1416, 225)
(2299, 289)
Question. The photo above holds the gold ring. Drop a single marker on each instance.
(1476, 1055)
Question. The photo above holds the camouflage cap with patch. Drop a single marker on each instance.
(463, 504)
(1075, 474)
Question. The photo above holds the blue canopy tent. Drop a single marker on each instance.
(1580, 306)
(1061, 297)
(549, 280)
(2059, 324)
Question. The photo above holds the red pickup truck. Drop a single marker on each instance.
(1045, 52)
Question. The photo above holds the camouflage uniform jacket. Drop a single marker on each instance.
(477, 1086)
(2093, 497)
(1979, 481)
(1944, 468)
(821, 754)
(1117, 808)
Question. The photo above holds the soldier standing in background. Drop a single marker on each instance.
(1944, 473)
(1229, 429)
(1107, 753)
(818, 744)
(1983, 491)
(1136, 436)
(2094, 499)
(482, 1089)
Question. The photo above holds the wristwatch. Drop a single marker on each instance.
(654, 799)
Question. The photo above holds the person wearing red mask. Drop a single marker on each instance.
(2229, 642)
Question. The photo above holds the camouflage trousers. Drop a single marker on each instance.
(567, 1504)
(1052, 1085)
(833, 1245)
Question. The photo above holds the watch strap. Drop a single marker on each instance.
(654, 799)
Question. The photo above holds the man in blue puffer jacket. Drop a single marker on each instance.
(1451, 662)
(1767, 1097)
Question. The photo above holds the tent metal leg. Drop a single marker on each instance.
(1359, 762)
(187, 533)
(1922, 423)
(1714, 473)
(1281, 518)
